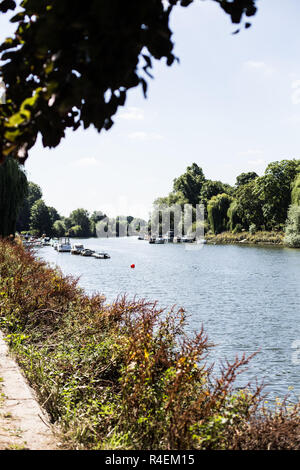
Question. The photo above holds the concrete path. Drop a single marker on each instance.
(23, 424)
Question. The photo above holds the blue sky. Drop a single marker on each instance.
(231, 105)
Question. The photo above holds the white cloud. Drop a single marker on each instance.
(132, 114)
(293, 120)
(252, 153)
(257, 163)
(296, 92)
(142, 136)
(87, 162)
(259, 66)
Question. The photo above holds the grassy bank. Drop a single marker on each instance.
(258, 238)
(125, 375)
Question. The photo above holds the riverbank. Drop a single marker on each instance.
(258, 238)
(125, 375)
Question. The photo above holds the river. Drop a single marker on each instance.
(247, 297)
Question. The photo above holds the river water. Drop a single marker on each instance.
(246, 297)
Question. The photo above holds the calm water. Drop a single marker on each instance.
(247, 298)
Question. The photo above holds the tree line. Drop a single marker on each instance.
(270, 202)
(23, 209)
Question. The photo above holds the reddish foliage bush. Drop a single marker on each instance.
(126, 375)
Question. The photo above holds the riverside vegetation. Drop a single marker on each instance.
(125, 375)
(257, 209)
(22, 208)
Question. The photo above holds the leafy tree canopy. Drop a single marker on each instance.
(274, 190)
(213, 188)
(80, 218)
(190, 183)
(71, 65)
(34, 193)
(245, 178)
(217, 210)
(40, 218)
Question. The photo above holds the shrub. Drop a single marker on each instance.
(124, 375)
(237, 229)
(252, 229)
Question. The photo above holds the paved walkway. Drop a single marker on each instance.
(23, 424)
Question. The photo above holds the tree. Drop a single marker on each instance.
(217, 209)
(97, 216)
(58, 228)
(245, 178)
(213, 188)
(172, 199)
(34, 193)
(66, 74)
(76, 231)
(190, 184)
(40, 219)
(234, 217)
(13, 190)
(274, 190)
(249, 207)
(54, 215)
(80, 217)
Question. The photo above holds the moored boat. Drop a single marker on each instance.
(77, 249)
(188, 239)
(64, 246)
(87, 252)
(101, 255)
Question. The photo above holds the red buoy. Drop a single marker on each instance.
(132, 266)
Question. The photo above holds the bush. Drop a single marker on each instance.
(237, 229)
(252, 229)
(125, 375)
(76, 231)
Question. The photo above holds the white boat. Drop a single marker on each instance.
(159, 241)
(64, 246)
(87, 252)
(187, 239)
(101, 255)
(77, 249)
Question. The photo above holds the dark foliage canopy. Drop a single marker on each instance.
(67, 67)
